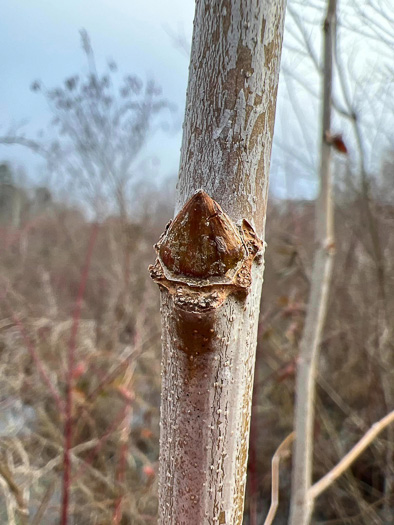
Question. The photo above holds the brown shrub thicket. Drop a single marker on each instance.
(116, 368)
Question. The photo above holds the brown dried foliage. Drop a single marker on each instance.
(116, 378)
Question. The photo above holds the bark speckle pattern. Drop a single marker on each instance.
(205, 412)
(210, 261)
(208, 360)
(230, 105)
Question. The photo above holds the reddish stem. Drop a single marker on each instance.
(68, 427)
(101, 443)
(134, 354)
(37, 361)
(121, 474)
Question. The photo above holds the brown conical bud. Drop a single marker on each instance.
(202, 242)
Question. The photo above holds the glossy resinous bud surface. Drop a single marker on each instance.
(202, 242)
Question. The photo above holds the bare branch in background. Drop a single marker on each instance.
(301, 503)
(281, 452)
(351, 456)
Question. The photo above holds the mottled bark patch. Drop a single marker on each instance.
(226, 10)
(234, 81)
(195, 331)
(258, 131)
(262, 33)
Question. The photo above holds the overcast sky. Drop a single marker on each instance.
(39, 39)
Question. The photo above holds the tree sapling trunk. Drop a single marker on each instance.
(210, 261)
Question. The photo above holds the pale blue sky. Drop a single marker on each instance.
(39, 39)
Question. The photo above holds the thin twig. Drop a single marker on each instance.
(71, 359)
(281, 452)
(100, 443)
(16, 491)
(351, 456)
(134, 353)
(38, 363)
(44, 504)
(124, 446)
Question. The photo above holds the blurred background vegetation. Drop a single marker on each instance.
(74, 249)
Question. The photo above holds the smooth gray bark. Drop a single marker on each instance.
(210, 261)
(301, 501)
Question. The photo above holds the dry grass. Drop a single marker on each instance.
(116, 372)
